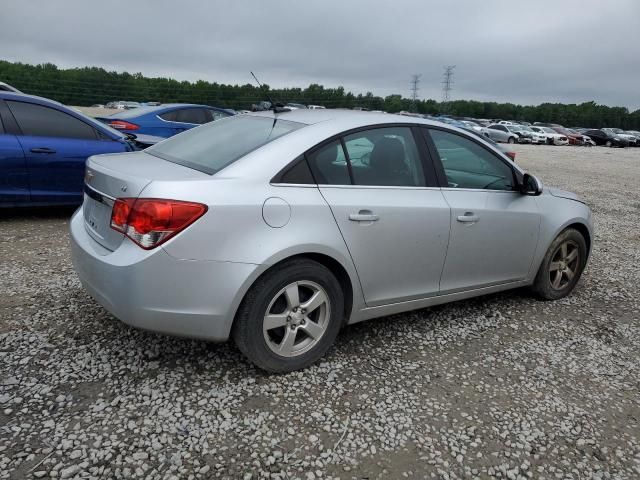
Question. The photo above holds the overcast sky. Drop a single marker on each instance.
(522, 52)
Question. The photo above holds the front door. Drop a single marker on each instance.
(494, 229)
(395, 227)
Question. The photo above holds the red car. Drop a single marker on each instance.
(574, 137)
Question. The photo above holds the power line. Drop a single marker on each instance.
(415, 87)
(447, 85)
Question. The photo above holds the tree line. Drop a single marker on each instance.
(92, 85)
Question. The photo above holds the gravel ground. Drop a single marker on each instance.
(502, 386)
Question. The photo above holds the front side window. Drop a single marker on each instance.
(213, 146)
(41, 121)
(468, 165)
(385, 157)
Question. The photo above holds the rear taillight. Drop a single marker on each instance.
(122, 125)
(511, 155)
(150, 222)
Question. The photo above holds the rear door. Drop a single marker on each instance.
(56, 146)
(392, 216)
(14, 179)
(494, 229)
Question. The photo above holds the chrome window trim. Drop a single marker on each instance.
(175, 121)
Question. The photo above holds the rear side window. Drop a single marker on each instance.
(169, 116)
(38, 120)
(385, 157)
(213, 146)
(298, 173)
(215, 115)
(191, 115)
(329, 165)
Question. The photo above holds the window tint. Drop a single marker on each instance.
(169, 116)
(385, 157)
(46, 122)
(1, 126)
(329, 165)
(468, 165)
(298, 173)
(215, 145)
(191, 115)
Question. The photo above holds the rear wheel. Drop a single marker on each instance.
(562, 266)
(290, 317)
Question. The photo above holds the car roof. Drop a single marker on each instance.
(346, 118)
(165, 107)
(22, 97)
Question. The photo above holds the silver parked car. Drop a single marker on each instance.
(278, 229)
(502, 133)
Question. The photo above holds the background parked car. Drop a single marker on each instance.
(601, 137)
(553, 137)
(43, 149)
(620, 133)
(575, 138)
(536, 137)
(501, 133)
(165, 120)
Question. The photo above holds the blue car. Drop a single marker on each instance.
(43, 149)
(164, 120)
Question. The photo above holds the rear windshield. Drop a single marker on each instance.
(215, 145)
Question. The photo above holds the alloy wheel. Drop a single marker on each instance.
(296, 319)
(564, 265)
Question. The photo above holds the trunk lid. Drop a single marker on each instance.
(122, 175)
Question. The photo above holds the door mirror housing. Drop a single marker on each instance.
(530, 185)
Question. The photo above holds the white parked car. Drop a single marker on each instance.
(538, 138)
(315, 107)
(553, 137)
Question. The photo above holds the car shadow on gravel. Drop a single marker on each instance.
(36, 213)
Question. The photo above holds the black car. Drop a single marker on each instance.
(606, 139)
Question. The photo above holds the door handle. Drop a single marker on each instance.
(43, 150)
(363, 216)
(468, 217)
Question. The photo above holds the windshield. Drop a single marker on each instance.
(548, 130)
(617, 130)
(215, 145)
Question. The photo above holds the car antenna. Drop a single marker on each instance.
(276, 107)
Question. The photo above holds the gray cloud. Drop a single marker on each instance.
(522, 52)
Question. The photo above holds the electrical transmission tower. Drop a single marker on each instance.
(415, 88)
(447, 86)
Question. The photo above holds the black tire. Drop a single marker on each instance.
(511, 140)
(543, 285)
(248, 331)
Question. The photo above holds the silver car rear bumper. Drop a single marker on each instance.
(154, 291)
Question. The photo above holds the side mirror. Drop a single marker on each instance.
(530, 185)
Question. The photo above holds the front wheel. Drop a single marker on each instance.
(562, 266)
(290, 317)
(511, 140)
(609, 144)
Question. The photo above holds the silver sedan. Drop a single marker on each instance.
(277, 229)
